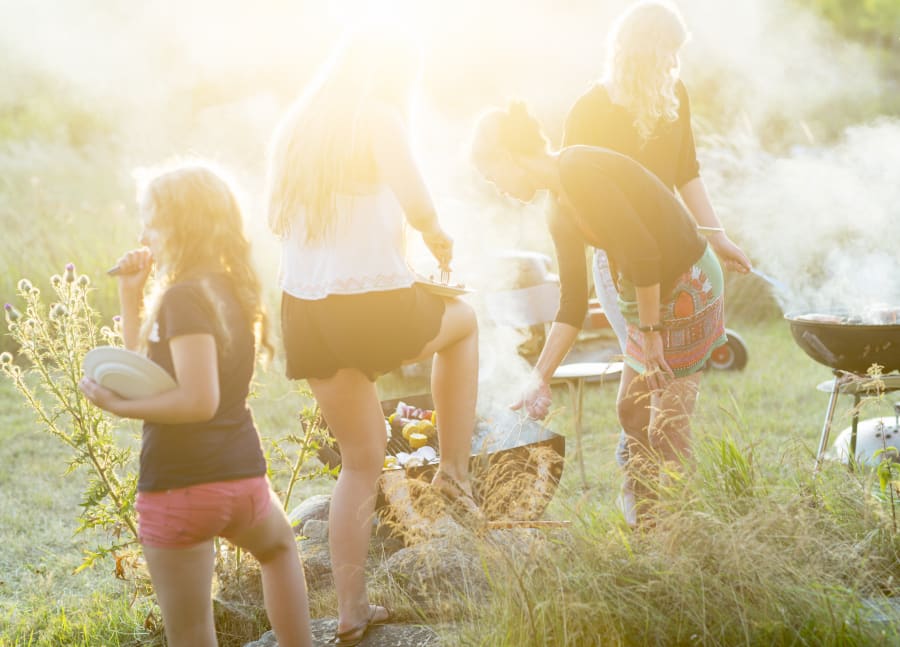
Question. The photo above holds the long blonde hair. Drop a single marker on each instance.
(195, 209)
(639, 66)
(323, 144)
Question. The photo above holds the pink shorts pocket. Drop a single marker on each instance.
(184, 517)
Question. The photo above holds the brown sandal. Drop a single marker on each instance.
(354, 636)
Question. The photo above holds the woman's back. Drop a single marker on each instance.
(362, 252)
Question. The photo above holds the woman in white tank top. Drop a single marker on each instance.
(342, 186)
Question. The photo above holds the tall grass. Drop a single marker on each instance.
(735, 559)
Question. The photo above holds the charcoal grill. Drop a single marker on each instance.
(849, 348)
(505, 446)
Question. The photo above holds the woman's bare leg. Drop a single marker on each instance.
(454, 386)
(272, 543)
(658, 426)
(182, 580)
(670, 423)
(350, 405)
(633, 406)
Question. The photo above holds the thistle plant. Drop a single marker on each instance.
(289, 453)
(52, 339)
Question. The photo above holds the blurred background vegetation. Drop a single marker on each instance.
(94, 89)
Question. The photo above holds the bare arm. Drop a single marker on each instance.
(538, 397)
(194, 399)
(698, 203)
(399, 170)
(658, 372)
(559, 342)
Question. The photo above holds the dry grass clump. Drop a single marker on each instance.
(732, 560)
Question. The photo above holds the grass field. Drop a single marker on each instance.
(771, 411)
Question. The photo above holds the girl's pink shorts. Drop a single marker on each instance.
(187, 516)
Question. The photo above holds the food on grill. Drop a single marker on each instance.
(408, 429)
(412, 429)
(421, 456)
(824, 318)
(876, 314)
(417, 440)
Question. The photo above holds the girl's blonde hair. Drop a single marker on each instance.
(639, 66)
(198, 216)
(323, 145)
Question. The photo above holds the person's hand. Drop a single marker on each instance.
(134, 268)
(441, 247)
(536, 400)
(100, 395)
(658, 374)
(730, 255)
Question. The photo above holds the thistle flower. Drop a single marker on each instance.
(84, 281)
(5, 358)
(24, 285)
(58, 311)
(11, 313)
(70, 272)
(56, 280)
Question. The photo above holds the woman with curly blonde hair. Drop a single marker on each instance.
(202, 470)
(640, 108)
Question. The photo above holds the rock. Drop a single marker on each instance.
(315, 507)
(883, 611)
(316, 529)
(316, 563)
(236, 618)
(393, 635)
(440, 571)
(266, 640)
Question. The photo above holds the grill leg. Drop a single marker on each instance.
(853, 429)
(826, 428)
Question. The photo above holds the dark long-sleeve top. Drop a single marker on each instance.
(616, 204)
(669, 153)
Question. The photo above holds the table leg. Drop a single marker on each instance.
(576, 392)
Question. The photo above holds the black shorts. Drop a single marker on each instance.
(374, 332)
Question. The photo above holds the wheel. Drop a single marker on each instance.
(731, 356)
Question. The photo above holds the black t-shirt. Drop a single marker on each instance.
(669, 153)
(624, 209)
(227, 447)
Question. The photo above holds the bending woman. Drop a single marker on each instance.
(669, 283)
(342, 183)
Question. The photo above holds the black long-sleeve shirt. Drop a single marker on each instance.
(616, 204)
(669, 153)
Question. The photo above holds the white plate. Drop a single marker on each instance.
(443, 289)
(129, 374)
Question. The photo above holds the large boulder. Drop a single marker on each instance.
(438, 573)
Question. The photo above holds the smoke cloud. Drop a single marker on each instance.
(809, 198)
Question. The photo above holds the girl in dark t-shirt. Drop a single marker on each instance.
(669, 282)
(202, 470)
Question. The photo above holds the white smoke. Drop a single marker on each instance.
(766, 77)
